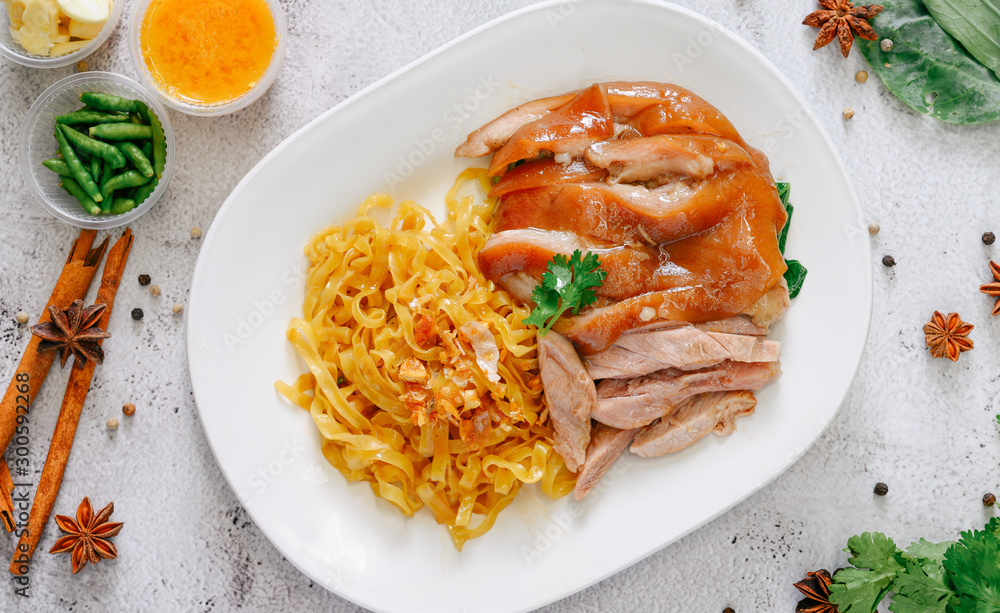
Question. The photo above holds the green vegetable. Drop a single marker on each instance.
(955, 577)
(928, 69)
(143, 191)
(70, 185)
(159, 140)
(975, 24)
(95, 168)
(147, 149)
(135, 155)
(122, 205)
(82, 142)
(129, 178)
(121, 131)
(107, 102)
(566, 285)
(58, 166)
(85, 116)
(76, 166)
(795, 274)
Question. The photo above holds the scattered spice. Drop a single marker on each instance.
(816, 589)
(888, 261)
(728, 610)
(112, 423)
(888, 65)
(947, 336)
(137, 313)
(178, 308)
(88, 537)
(993, 289)
(22, 317)
(73, 331)
(881, 489)
(82, 66)
(128, 409)
(842, 20)
(989, 238)
(196, 232)
(989, 500)
(886, 45)
(848, 112)
(144, 280)
(154, 290)
(874, 228)
(862, 76)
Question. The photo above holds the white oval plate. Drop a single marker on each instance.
(398, 136)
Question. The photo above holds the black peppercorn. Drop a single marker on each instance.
(144, 280)
(888, 261)
(989, 500)
(988, 238)
(728, 610)
(137, 314)
(881, 489)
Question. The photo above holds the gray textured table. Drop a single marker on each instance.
(923, 426)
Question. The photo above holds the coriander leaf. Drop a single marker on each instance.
(921, 588)
(859, 590)
(929, 553)
(973, 567)
(567, 285)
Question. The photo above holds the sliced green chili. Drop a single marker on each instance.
(70, 185)
(135, 155)
(107, 152)
(122, 131)
(107, 102)
(58, 166)
(76, 166)
(87, 116)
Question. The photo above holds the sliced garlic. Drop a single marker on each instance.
(70, 47)
(86, 11)
(84, 30)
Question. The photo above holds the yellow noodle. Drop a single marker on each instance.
(367, 288)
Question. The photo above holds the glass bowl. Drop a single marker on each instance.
(37, 144)
(14, 52)
(206, 110)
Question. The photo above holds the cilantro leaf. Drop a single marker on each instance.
(567, 285)
(929, 553)
(859, 590)
(922, 587)
(973, 567)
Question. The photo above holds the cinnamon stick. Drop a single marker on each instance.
(80, 378)
(73, 283)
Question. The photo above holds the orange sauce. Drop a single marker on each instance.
(207, 51)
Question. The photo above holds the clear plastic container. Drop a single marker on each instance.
(37, 144)
(16, 53)
(206, 110)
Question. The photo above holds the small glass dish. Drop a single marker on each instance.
(37, 144)
(16, 53)
(206, 110)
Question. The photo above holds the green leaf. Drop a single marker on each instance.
(859, 590)
(928, 69)
(973, 567)
(784, 189)
(975, 24)
(567, 285)
(920, 588)
(795, 276)
(928, 552)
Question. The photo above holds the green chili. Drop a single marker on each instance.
(129, 178)
(122, 205)
(87, 116)
(122, 131)
(76, 166)
(147, 149)
(70, 185)
(144, 191)
(135, 155)
(107, 102)
(58, 166)
(159, 140)
(95, 168)
(136, 119)
(96, 148)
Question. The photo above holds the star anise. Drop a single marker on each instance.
(993, 289)
(87, 536)
(816, 589)
(842, 20)
(73, 331)
(947, 336)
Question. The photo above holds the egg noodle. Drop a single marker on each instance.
(422, 379)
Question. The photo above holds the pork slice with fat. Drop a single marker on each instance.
(686, 348)
(692, 420)
(570, 395)
(631, 403)
(606, 444)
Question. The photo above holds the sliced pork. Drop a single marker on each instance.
(692, 420)
(606, 445)
(570, 396)
(632, 403)
(648, 157)
(684, 348)
(770, 307)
